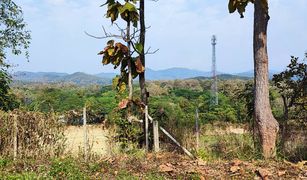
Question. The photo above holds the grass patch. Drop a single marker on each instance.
(227, 147)
(125, 175)
(20, 176)
(4, 162)
(65, 169)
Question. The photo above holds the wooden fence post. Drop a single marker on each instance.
(197, 129)
(146, 129)
(85, 135)
(156, 135)
(15, 129)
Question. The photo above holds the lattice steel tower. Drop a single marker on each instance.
(214, 89)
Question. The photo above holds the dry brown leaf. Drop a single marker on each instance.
(202, 178)
(301, 164)
(165, 168)
(236, 162)
(139, 66)
(191, 171)
(201, 162)
(281, 173)
(234, 169)
(263, 173)
(123, 104)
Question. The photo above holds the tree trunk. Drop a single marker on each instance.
(267, 124)
(142, 55)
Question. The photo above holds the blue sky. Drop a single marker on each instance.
(180, 29)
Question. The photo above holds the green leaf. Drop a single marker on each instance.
(139, 47)
(127, 7)
(122, 87)
(128, 12)
(115, 82)
(110, 51)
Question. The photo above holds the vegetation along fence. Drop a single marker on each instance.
(30, 134)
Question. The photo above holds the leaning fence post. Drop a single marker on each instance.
(15, 129)
(85, 135)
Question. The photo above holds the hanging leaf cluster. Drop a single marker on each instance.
(117, 54)
(127, 11)
(240, 6)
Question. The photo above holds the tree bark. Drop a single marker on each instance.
(142, 55)
(267, 124)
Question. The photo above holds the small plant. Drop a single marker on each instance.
(125, 175)
(65, 169)
(4, 162)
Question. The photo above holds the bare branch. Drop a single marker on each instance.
(106, 35)
(151, 52)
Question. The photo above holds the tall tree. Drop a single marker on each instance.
(13, 37)
(292, 85)
(266, 123)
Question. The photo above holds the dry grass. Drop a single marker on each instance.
(97, 138)
(37, 134)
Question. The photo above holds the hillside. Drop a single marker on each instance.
(106, 78)
(174, 73)
(251, 73)
(224, 77)
(84, 79)
(46, 77)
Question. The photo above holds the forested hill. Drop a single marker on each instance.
(106, 78)
(52, 77)
(225, 77)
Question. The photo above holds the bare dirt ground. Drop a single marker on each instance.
(175, 166)
(97, 138)
(166, 165)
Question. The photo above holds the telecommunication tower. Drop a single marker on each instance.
(214, 89)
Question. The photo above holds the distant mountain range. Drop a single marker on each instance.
(53, 77)
(106, 78)
(251, 73)
(224, 77)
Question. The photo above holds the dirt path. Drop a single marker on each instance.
(97, 136)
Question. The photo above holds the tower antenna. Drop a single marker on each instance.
(214, 89)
